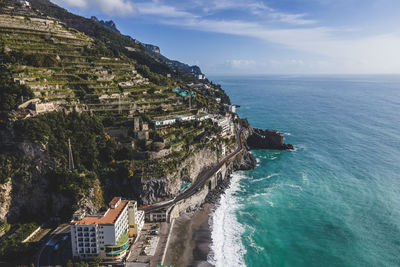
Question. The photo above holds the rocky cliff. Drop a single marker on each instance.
(267, 139)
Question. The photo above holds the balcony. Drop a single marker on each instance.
(79, 229)
(121, 246)
(93, 234)
(92, 230)
(93, 240)
(86, 234)
(79, 234)
(87, 244)
(85, 229)
(80, 239)
(93, 245)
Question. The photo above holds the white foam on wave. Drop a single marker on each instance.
(227, 247)
(251, 240)
(304, 177)
(291, 185)
(265, 178)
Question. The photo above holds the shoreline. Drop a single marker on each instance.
(191, 241)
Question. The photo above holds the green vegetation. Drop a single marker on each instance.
(11, 246)
(11, 92)
(13, 165)
(90, 147)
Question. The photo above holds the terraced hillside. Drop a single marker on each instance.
(85, 117)
(66, 68)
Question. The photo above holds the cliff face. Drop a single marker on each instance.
(148, 190)
(267, 139)
(27, 197)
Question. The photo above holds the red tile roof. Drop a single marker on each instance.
(114, 201)
(109, 218)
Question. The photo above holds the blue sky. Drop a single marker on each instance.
(262, 36)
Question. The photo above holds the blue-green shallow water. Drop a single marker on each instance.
(335, 200)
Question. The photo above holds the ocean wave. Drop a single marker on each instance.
(291, 185)
(299, 147)
(265, 178)
(252, 243)
(304, 177)
(227, 248)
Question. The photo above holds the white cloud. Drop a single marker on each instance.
(156, 8)
(369, 54)
(240, 63)
(109, 7)
(338, 49)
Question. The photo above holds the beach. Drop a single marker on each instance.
(190, 239)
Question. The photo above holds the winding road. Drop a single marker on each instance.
(201, 180)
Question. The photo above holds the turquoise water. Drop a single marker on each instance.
(335, 200)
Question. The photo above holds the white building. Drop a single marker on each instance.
(200, 76)
(225, 124)
(163, 121)
(202, 117)
(187, 117)
(105, 236)
(157, 215)
(24, 3)
(231, 108)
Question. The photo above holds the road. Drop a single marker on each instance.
(201, 180)
(48, 255)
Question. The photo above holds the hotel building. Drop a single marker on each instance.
(106, 236)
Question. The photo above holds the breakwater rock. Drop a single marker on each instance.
(267, 139)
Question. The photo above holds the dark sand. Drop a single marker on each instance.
(190, 240)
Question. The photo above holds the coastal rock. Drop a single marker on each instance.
(267, 139)
(248, 161)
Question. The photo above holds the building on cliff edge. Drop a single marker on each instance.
(106, 236)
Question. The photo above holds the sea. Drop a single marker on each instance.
(335, 199)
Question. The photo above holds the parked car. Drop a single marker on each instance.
(154, 232)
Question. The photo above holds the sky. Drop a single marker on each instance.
(242, 37)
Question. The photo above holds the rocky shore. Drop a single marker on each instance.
(267, 139)
(191, 235)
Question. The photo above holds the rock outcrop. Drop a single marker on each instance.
(267, 139)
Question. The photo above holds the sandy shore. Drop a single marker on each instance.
(190, 239)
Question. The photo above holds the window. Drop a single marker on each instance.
(79, 228)
(85, 229)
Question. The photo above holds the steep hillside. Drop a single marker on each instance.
(134, 126)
